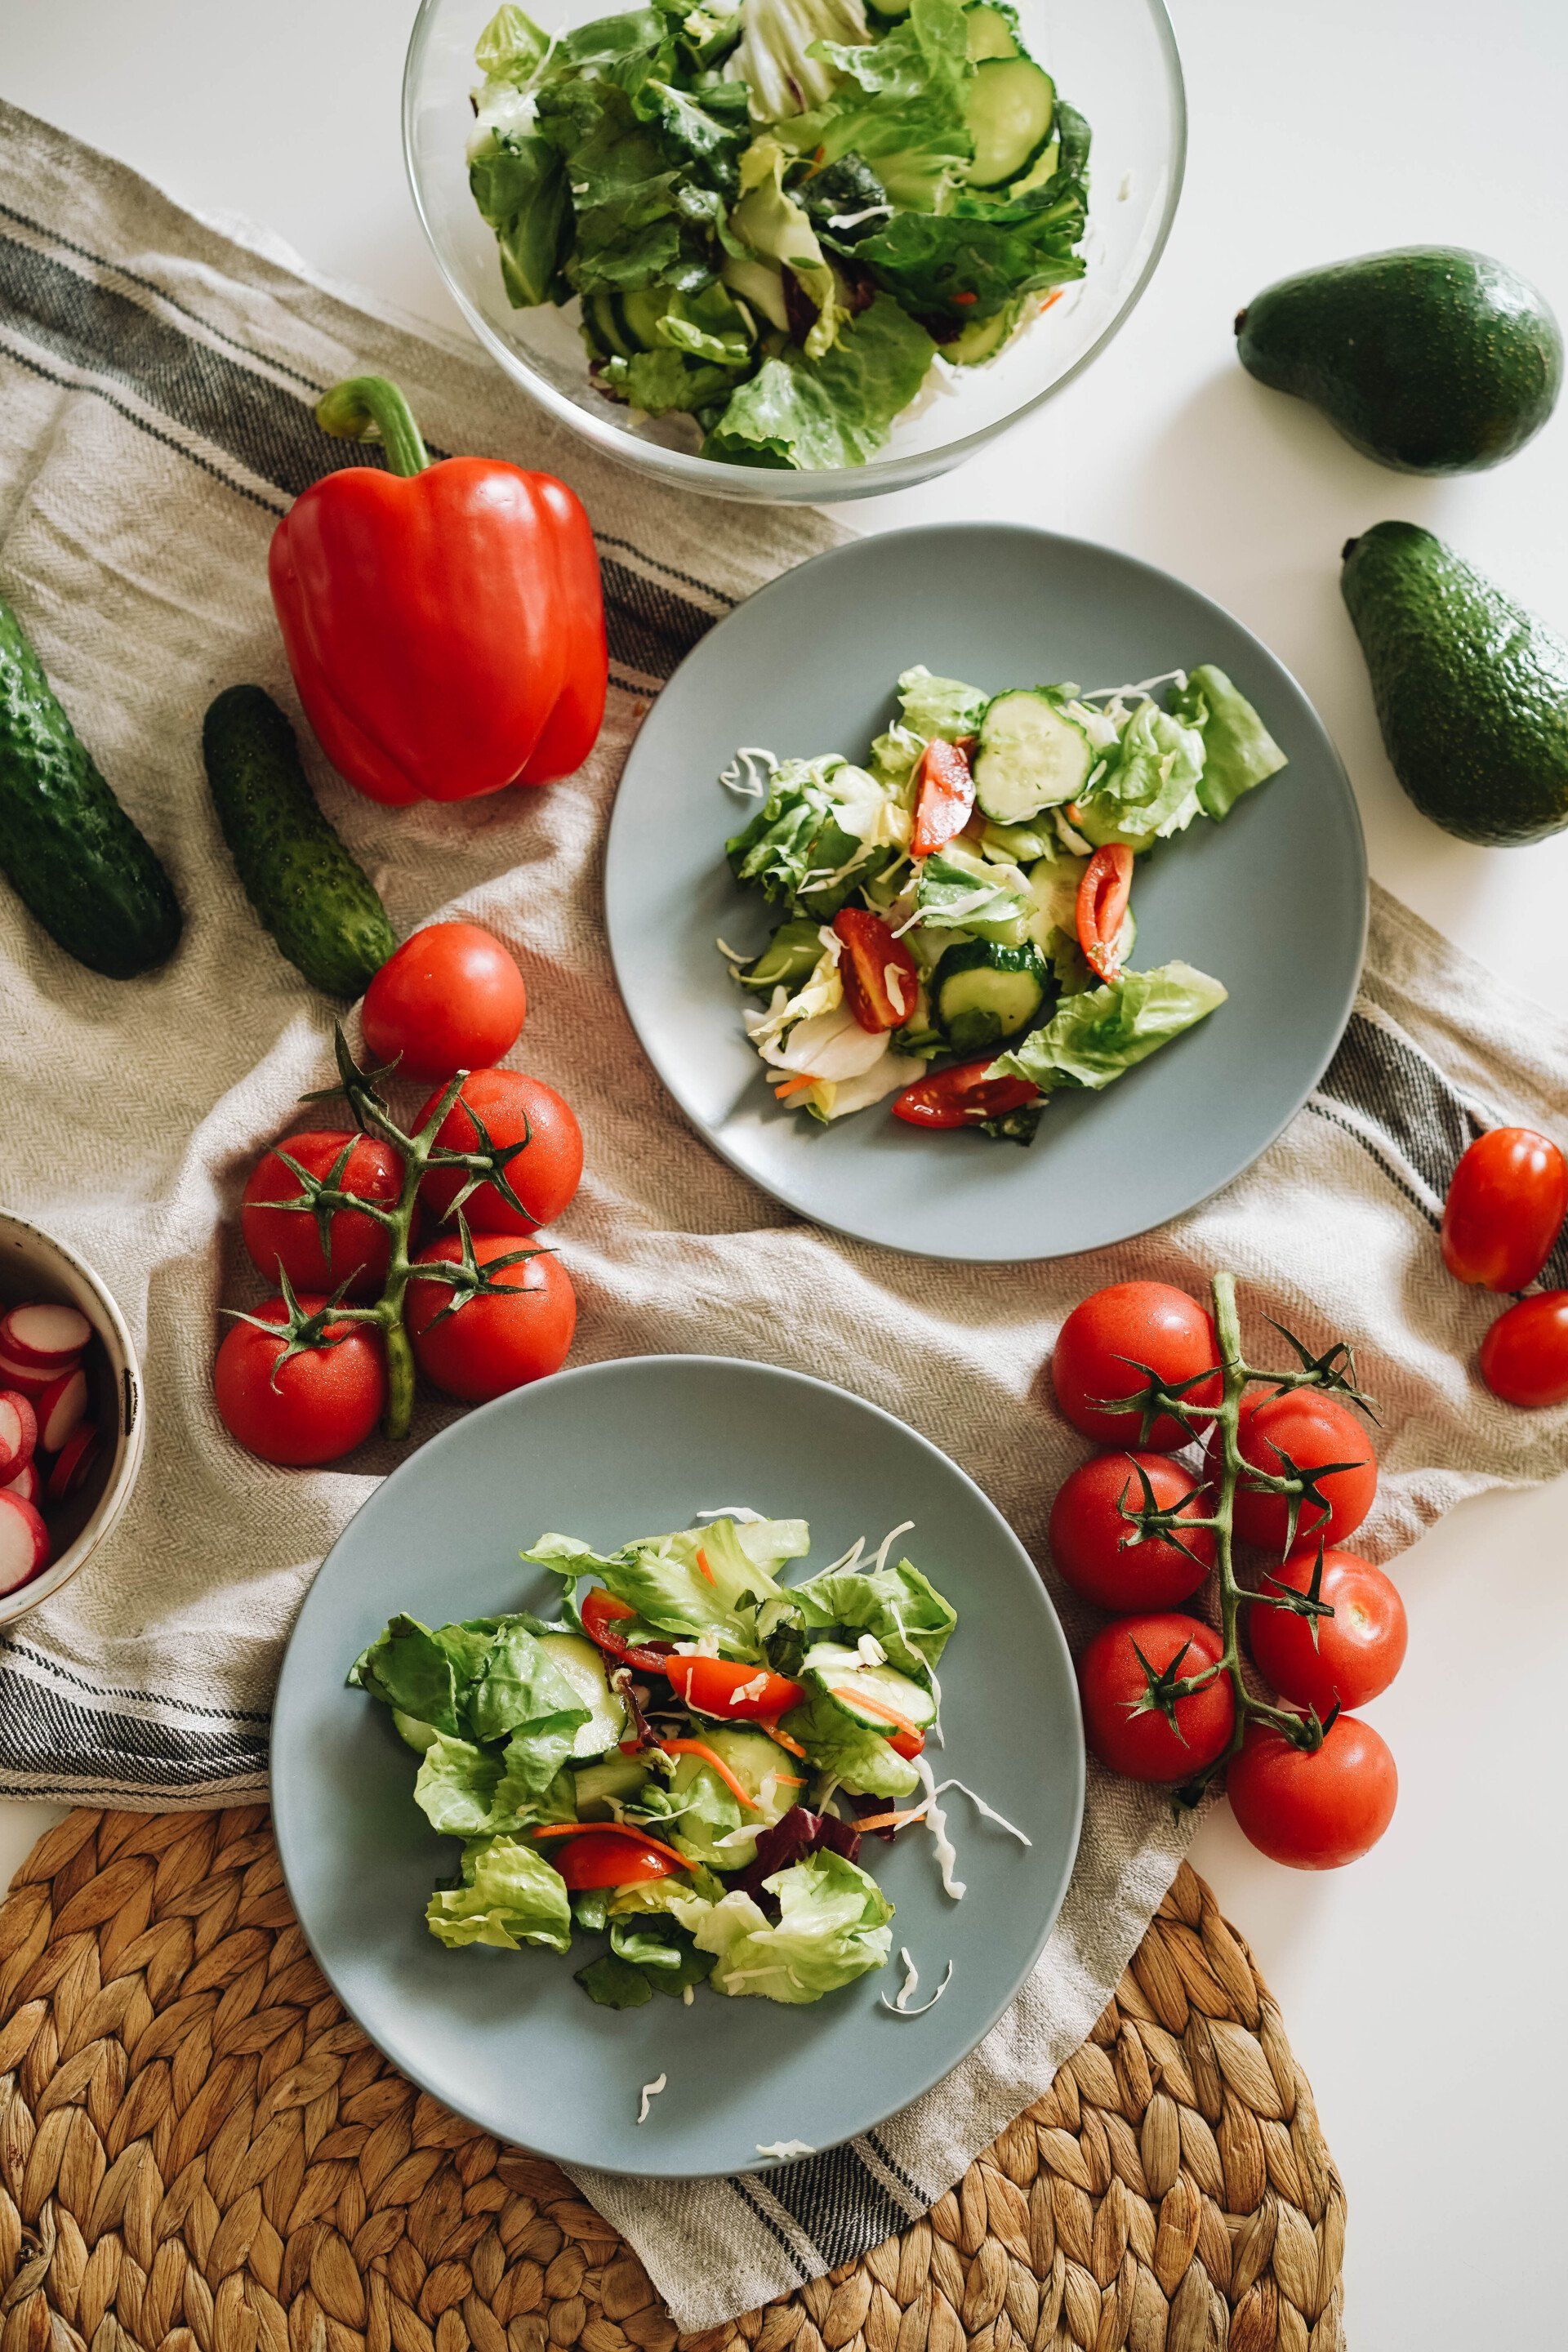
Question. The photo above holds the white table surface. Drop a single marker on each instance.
(1423, 1989)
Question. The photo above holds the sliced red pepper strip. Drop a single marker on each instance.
(944, 796)
(1102, 896)
(600, 1611)
(880, 982)
(962, 1096)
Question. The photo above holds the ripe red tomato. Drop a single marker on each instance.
(611, 1858)
(450, 998)
(1316, 1812)
(1103, 1556)
(1113, 1331)
(545, 1172)
(493, 1342)
(322, 1403)
(1358, 1650)
(723, 1687)
(1111, 1681)
(1505, 1208)
(1524, 1356)
(358, 1247)
(1314, 1429)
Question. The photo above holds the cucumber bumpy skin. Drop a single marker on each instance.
(319, 905)
(71, 853)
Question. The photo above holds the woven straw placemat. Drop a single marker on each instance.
(200, 2153)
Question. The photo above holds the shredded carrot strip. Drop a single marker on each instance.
(715, 1764)
(1054, 296)
(703, 1564)
(785, 1740)
(884, 1820)
(793, 1087)
(789, 1780)
(611, 1829)
(879, 1706)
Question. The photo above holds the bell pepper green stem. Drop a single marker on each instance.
(372, 408)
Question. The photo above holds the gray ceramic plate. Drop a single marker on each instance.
(610, 1452)
(1273, 902)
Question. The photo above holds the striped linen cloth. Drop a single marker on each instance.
(158, 380)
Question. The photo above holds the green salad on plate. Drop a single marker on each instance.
(779, 217)
(686, 1766)
(967, 893)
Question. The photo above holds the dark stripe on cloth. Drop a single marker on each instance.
(266, 429)
(1397, 1089)
(838, 2201)
(45, 1733)
(757, 2205)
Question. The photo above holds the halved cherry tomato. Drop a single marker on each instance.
(1505, 1208)
(600, 1611)
(962, 1096)
(1102, 896)
(945, 794)
(614, 1857)
(880, 982)
(724, 1687)
(907, 1743)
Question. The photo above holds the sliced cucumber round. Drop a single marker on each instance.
(982, 340)
(982, 992)
(1010, 109)
(583, 1667)
(419, 1736)
(867, 1692)
(766, 1773)
(638, 313)
(989, 32)
(601, 317)
(1032, 756)
(608, 1781)
(1042, 169)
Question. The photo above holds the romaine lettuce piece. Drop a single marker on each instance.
(1092, 1038)
(1148, 789)
(424, 1673)
(836, 1742)
(901, 104)
(1238, 750)
(825, 830)
(508, 1897)
(833, 1925)
(955, 891)
(666, 380)
(660, 1577)
(779, 58)
(934, 261)
(777, 231)
(827, 412)
(941, 706)
(899, 1606)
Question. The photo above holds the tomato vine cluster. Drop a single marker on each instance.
(1287, 1471)
(400, 1253)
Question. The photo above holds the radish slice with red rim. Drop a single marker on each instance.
(73, 1462)
(23, 1542)
(59, 1408)
(26, 1379)
(46, 1335)
(26, 1484)
(18, 1432)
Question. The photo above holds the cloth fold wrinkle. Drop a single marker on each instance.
(158, 377)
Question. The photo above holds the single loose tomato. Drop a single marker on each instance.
(1524, 1356)
(1099, 1549)
(1351, 1656)
(1133, 1736)
(495, 1342)
(1505, 1208)
(1315, 1429)
(513, 1109)
(963, 1095)
(611, 1858)
(1313, 1812)
(319, 1405)
(1107, 1342)
(450, 998)
(358, 1249)
(725, 1687)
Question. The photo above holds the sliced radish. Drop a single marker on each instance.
(26, 1379)
(18, 1432)
(23, 1542)
(26, 1484)
(72, 1463)
(60, 1407)
(51, 1337)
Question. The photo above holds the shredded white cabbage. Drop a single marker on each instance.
(650, 2092)
(784, 2149)
(741, 775)
(899, 2004)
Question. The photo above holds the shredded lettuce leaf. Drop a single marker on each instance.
(899, 1606)
(507, 1895)
(833, 1925)
(821, 414)
(1092, 1038)
(1238, 751)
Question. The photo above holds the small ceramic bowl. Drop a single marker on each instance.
(34, 1266)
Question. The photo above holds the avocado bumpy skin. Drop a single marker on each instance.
(1472, 690)
(1431, 359)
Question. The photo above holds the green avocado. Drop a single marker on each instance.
(1471, 689)
(1430, 359)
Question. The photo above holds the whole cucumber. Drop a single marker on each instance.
(319, 905)
(70, 850)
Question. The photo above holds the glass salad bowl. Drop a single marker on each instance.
(1116, 61)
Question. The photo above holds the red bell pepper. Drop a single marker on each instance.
(1102, 909)
(963, 1095)
(444, 623)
